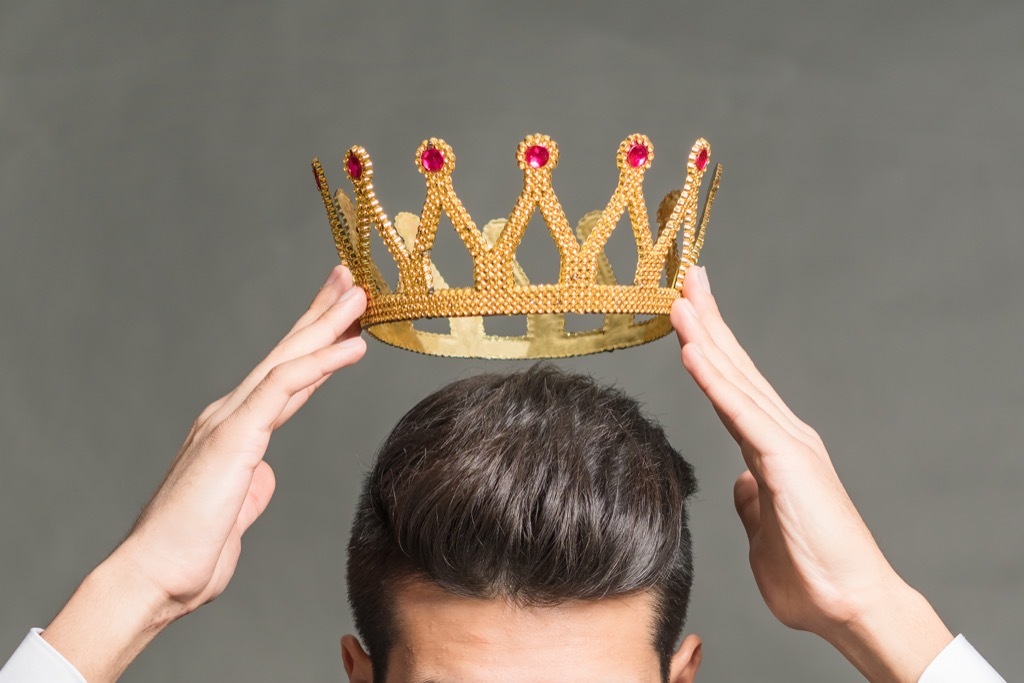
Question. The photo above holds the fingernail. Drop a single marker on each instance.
(332, 277)
(351, 343)
(702, 278)
(349, 293)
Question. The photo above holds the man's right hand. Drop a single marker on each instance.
(183, 549)
(815, 562)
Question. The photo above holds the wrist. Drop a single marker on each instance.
(111, 617)
(893, 635)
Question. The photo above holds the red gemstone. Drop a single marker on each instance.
(354, 166)
(316, 177)
(702, 159)
(432, 159)
(638, 155)
(536, 156)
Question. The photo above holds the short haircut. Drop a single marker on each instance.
(538, 487)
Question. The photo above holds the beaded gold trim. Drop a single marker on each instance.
(586, 283)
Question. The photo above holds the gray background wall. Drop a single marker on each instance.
(159, 230)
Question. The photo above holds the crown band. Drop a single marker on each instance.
(528, 300)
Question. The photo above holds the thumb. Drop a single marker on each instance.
(256, 500)
(748, 505)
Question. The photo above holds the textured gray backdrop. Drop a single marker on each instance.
(160, 230)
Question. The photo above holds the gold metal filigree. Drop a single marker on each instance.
(585, 284)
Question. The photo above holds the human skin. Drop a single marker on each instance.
(814, 560)
(445, 638)
(182, 551)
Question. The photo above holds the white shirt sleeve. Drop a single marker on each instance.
(958, 662)
(36, 661)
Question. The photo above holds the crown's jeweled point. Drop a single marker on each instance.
(536, 156)
(432, 159)
(702, 159)
(353, 166)
(638, 154)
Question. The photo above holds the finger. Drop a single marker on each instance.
(209, 410)
(261, 410)
(749, 424)
(299, 399)
(327, 302)
(697, 290)
(338, 282)
(746, 495)
(691, 328)
(256, 500)
(338, 322)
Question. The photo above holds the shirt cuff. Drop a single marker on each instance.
(958, 662)
(36, 660)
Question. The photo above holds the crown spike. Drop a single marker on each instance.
(370, 215)
(634, 157)
(538, 193)
(698, 161)
(716, 180)
(683, 216)
(435, 159)
(340, 229)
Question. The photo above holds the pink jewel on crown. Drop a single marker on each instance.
(536, 156)
(638, 155)
(353, 166)
(432, 159)
(702, 159)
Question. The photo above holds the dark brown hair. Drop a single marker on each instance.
(539, 487)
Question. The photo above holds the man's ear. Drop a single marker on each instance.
(357, 662)
(686, 660)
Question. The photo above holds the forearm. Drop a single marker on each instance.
(108, 621)
(894, 637)
(218, 485)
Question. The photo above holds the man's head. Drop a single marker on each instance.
(527, 527)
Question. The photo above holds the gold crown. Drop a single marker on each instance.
(586, 283)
